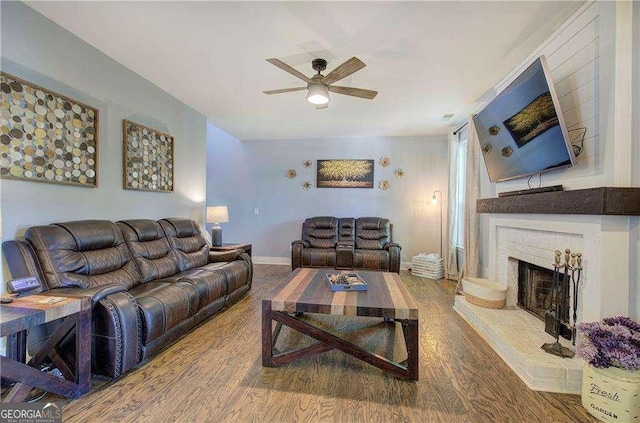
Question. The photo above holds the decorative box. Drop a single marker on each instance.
(346, 282)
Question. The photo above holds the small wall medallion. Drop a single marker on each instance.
(307, 163)
(494, 130)
(291, 173)
(384, 162)
(306, 185)
(487, 148)
(384, 185)
(507, 151)
(399, 173)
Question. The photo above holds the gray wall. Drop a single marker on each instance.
(245, 175)
(38, 50)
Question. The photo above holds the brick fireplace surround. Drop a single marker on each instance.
(515, 334)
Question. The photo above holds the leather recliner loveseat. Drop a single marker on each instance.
(150, 281)
(346, 243)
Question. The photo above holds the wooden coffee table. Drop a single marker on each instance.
(306, 291)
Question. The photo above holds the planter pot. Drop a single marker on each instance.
(611, 394)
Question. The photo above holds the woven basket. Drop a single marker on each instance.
(425, 267)
(484, 303)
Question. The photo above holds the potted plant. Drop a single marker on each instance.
(611, 377)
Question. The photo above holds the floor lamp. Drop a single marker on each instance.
(434, 200)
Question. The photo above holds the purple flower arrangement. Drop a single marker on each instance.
(614, 342)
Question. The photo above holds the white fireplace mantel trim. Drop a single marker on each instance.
(605, 240)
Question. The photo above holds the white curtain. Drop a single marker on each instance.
(471, 220)
(450, 250)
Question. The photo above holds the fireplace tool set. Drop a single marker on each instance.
(557, 320)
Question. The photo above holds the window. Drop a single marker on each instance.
(461, 178)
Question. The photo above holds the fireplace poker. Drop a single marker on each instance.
(556, 348)
(550, 317)
(562, 293)
(576, 267)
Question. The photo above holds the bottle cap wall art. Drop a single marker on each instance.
(45, 136)
(147, 158)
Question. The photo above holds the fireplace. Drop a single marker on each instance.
(535, 289)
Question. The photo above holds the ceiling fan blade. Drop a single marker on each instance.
(347, 68)
(284, 90)
(355, 92)
(322, 106)
(282, 65)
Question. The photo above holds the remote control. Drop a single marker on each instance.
(4, 300)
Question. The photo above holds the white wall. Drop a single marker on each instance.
(596, 76)
(36, 49)
(246, 175)
(636, 137)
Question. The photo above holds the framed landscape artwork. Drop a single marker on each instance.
(147, 158)
(46, 136)
(345, 173)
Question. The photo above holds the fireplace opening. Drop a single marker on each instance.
(535, 293)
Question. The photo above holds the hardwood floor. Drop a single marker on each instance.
(215, 374)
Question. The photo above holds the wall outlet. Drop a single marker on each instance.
(256, 211)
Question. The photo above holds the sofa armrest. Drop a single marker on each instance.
(296, 253)
(22, 261)
(394, 256)
(224, 256)
(96, 294)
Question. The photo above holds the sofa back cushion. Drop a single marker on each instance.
(346, 229)
(83, 254)
(188, 242)
(320, 232)
(372, 233)
(150, 248)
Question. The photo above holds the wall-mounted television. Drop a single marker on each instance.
(522, 131)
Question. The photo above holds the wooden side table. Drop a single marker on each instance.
(27, 312)
(228, 246)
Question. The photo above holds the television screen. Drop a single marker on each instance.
(522, 131)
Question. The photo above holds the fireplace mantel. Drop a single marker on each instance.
(594, 201)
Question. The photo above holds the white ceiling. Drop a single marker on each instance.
(426, 59)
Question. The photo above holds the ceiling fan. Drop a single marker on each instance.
(318, 86)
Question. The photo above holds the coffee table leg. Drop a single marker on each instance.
(412, 349)
(83, 350)
(267, 335)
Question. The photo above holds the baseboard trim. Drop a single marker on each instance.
(405, 265)
(272, 260)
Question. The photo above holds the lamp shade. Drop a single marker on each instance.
(318, 94)
(217, 214)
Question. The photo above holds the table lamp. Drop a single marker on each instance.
(217, 215)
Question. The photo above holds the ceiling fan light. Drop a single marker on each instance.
(318, 94)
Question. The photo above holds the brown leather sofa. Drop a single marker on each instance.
(346, 243)
(150, 281)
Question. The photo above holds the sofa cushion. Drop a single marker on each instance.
(346, 228)
(319, 257)
(371, 259)
(163, 306)
(320, 232)
(372, 233)
(83, 254)
(150, 248)
(185, 237)
(210, 284)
